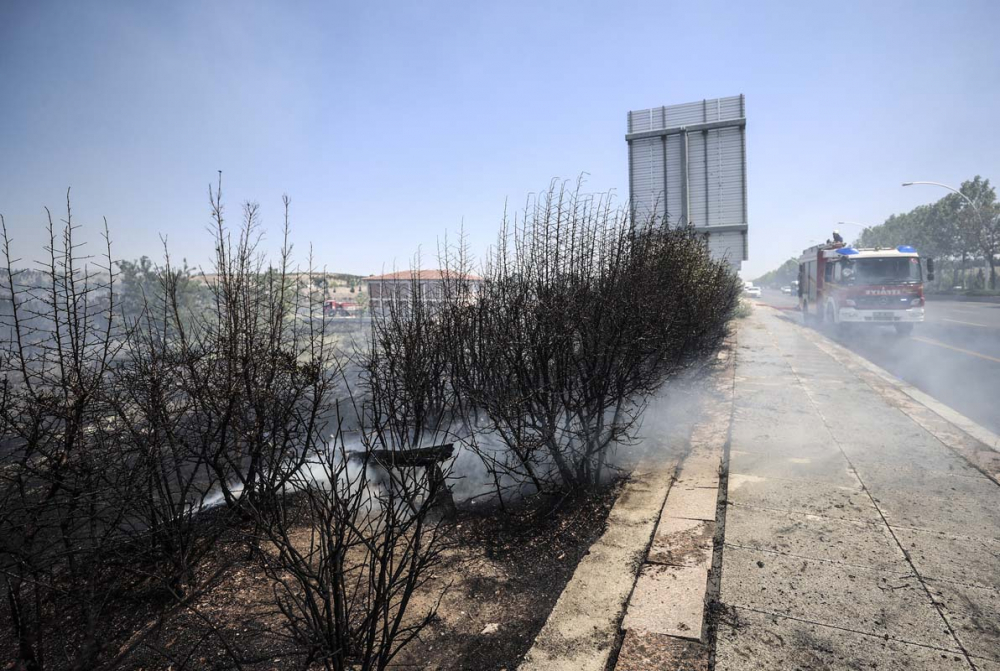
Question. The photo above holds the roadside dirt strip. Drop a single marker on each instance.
(637, 600)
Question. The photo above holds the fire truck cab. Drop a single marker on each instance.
(840, 285)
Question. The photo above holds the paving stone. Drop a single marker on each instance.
(712, 456)
(849, 597)
(749, 641)
(974, 614)
(946, 481)
(802, 496)
(711, 432)
(700, 470)
(837, 540)
(962, 513)
(937, 555)
(753, 432)
(641, 501)
(645, 651)
(894, 446)
(696, 503)
(825, 467)
(774, 437)
(668, 600)
(682, 542)
(905, 463)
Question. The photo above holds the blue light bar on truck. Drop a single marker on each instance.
(906, 249)
(847, 251)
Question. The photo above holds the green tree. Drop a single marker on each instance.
(950, 229)
(139, 284)
(784, 274)
(979, 222)
(141, 288)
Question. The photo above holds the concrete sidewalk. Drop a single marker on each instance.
(854, 537)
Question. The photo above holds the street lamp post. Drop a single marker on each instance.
(975, 207)
(951, 188)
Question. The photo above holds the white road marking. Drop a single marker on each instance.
(936, 343)
(956, 321)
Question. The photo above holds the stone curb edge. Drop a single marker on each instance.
(665, 624)
(584, 630)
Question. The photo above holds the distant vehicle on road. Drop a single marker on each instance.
(841, 285)
(786, 289)
(752, 291)
(333, 308)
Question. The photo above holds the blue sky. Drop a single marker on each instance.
(390, 123)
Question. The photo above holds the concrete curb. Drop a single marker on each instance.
(615, 595)
(665, 621)
(581, 631)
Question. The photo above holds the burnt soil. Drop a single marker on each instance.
(500, 577)
(509, 570)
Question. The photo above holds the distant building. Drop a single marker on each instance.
(399, 286)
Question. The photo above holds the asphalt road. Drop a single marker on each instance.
(954, 355)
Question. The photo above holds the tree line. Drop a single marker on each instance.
(961, 232)
(781, 276)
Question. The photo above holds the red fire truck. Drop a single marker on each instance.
(840, 285)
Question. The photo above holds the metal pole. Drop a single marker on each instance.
(685, 215)
(982, 222)
(951, 188)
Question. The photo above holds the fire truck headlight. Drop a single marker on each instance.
(917, 302)
(850, 303)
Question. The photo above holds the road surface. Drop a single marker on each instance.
(954, 356)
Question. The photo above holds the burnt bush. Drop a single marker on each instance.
(350, 549)
(138, 436)
(406, 365)
(365, 525)
(582, 313)
(93, 515)
(134, 440)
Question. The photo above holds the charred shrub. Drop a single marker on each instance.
(95, 481)
(259, 363)
(361, 530)
(407, 363)
(350, 548)
(134, 440)
(582, 314)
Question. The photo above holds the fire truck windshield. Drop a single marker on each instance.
(886, 270)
